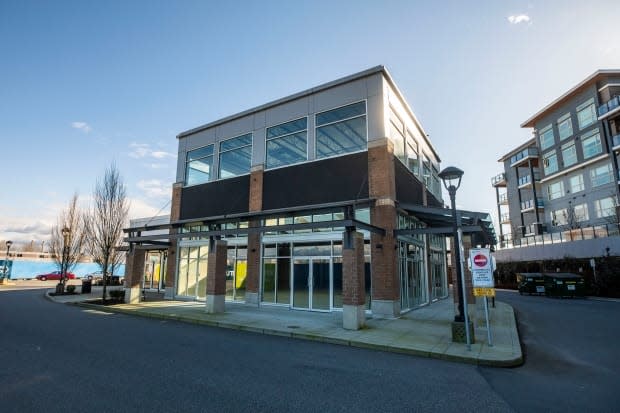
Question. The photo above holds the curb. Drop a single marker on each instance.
(514, 362)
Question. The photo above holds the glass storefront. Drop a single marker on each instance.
(192, 273)
(236, 272)
(155, 270)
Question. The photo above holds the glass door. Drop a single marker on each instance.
(312, 283)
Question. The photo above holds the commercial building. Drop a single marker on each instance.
(562, 184)
(325, 200)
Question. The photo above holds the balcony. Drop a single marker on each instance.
(504, 219)
(526, 181)
(499, 180)
(610, 107)
(530, 204)
(523, 156)
(503, 199)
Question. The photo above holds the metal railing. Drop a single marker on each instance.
(608, 106)
(503, 198)
(504, 218)
(578, 234)
(530, 204)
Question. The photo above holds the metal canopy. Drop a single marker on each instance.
(440, 221)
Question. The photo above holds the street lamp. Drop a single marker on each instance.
(451, 178)
(6, 260)
(65, 255)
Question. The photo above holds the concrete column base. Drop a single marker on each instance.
(215, 303)
(385, 308)
(168, 293)
(251, 298)
(353, 317)
(458, 332)
(133, 295)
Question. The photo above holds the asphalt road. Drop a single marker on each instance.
(59, 358)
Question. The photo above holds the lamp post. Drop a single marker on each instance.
(65, 256)
(6, 260)
(451, 178)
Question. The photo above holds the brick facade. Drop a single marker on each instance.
(252, 281)
(216, 268)
(171, 261)
(353, 283)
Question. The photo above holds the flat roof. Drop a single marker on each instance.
(518, 149)
(334, 83)
(587, 81)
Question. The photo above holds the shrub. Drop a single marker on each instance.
(71, 289)
(117, 295)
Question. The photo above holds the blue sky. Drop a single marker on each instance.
(85, 83)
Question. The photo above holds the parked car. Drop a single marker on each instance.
(97, 278)
(54, 275)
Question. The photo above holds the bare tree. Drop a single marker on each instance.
(572, 218)
(105, 221)
(69, 248)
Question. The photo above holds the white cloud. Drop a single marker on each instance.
(144, 150)
(519, 18)
(140, 209)
(83, 126)
(154, 188)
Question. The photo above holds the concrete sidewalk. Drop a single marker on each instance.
(424, 332)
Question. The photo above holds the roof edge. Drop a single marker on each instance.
(517, 149)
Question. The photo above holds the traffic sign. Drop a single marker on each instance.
(481, 268)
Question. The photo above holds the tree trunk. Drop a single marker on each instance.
(105, 275)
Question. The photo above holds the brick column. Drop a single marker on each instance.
(252, 281)
(384, 268)
(134, 271)
(216, 276)
(171, 261)
(353, 291)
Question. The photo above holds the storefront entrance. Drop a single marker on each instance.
(312, 283)
(155, 270)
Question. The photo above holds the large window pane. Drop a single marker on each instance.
(586, 114)
(550, 162)
(235, 162)
(198, 165)
(235, 143)
(565, 126)
(287, 150)
(576, 183)
(591, 145)
(546, 137)
(605, 207)
(601, 175)
(287, 128)
(569, 154)
(342, 137)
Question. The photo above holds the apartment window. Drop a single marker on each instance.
(605, 207)
(235, 156)
(198, 165)
(576, 183)
(426, 171)
(569, 154)
(565, 126)
(546, 137)
(601, 175)
(581, 212)
(591, 144)
(413, 160)
(550, 162)
(555, 190)
(558, 217)
(286, 143)
(586, 114)
(341, 130)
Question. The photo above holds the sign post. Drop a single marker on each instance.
(482, 280)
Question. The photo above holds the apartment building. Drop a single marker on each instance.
(565, 178)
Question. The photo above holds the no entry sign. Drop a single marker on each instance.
(481, 271)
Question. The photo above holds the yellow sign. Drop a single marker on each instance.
(481, 292)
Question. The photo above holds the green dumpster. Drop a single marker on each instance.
(531, 283)
(564, 284)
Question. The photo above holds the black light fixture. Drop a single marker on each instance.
(451, 178)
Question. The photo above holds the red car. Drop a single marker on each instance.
(54, 275)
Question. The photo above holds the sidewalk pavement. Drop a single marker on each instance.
(423, 332)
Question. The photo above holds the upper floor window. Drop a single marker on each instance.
(569, 154)
(426, 171)
(586, 114)
(605, 207)
(413, 159)
(576, 183)
(591, 144)
(555, 190)
(235, 156)
(565, 126)
(558, 217)
(286, 143)
(580, 212)
(341, 130)
(198, 165)
(550, 162)
(546, 137)
(397, 134)
(601, 175)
